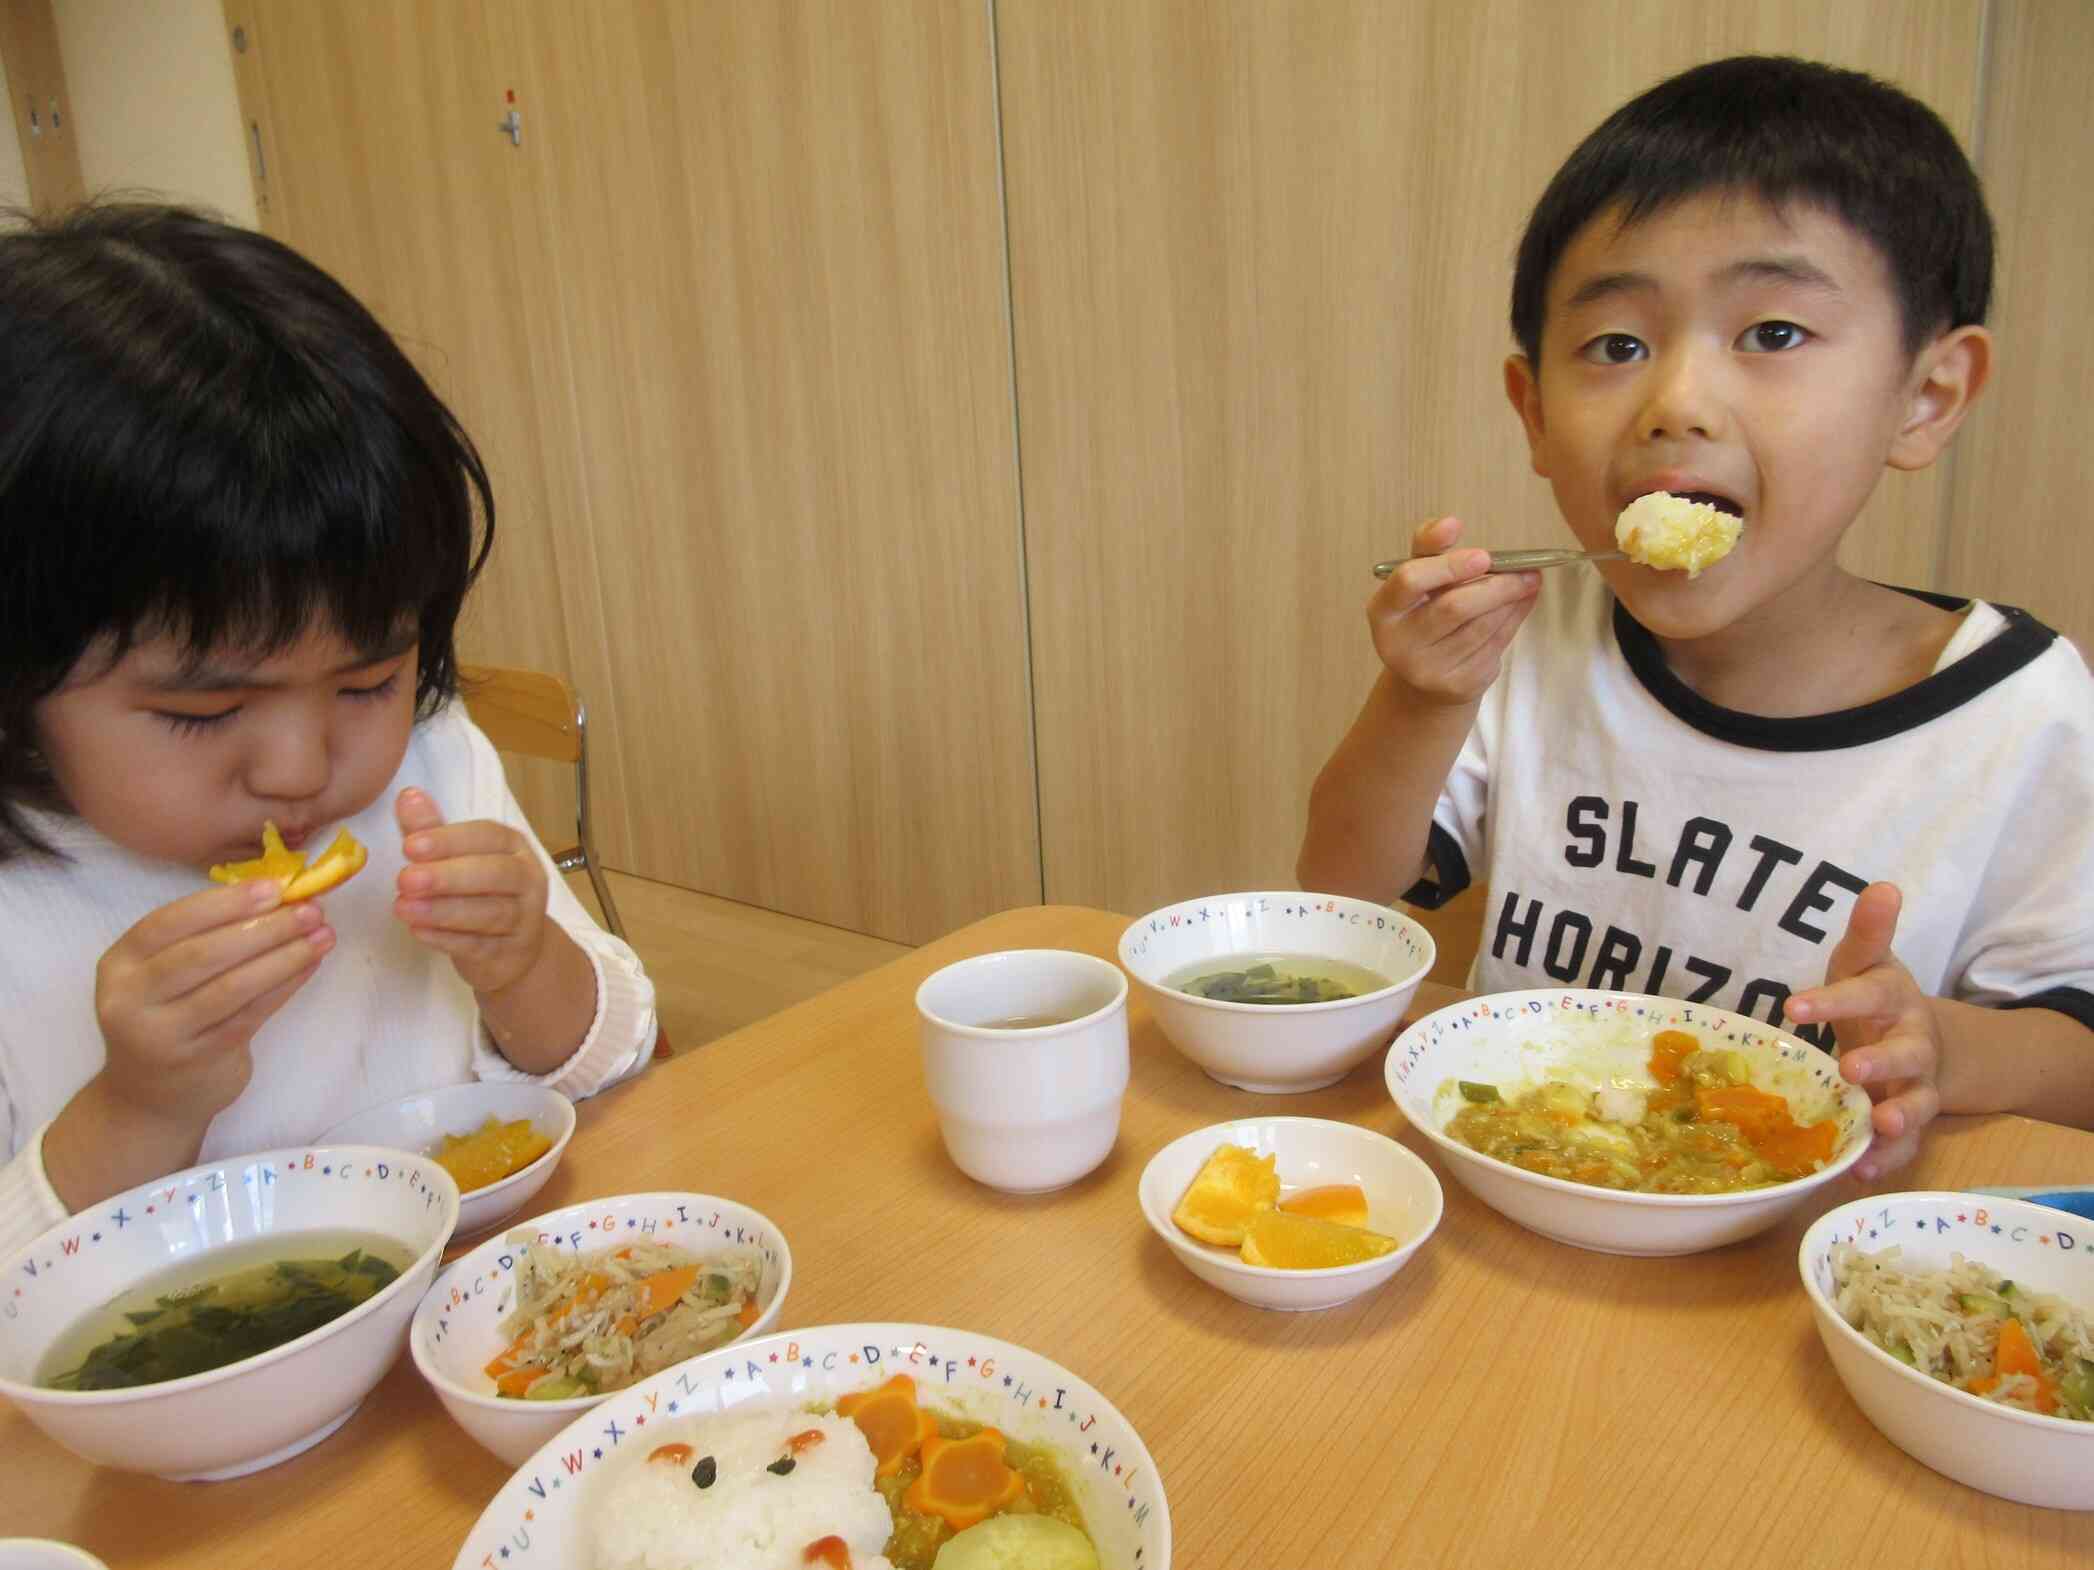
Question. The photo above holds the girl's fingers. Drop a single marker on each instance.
(447, 842)
(213, 1005)
(221, 905)
(505, 872)
(415, 811)
(491, 915)
(176, 972)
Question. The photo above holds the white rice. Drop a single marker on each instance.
(1921, 1312)
(651, 1515)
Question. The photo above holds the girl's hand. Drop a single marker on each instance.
(1889, 1042)
(473, 891)
(1441, 622)
(180, 996)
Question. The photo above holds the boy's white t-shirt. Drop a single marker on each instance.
(1635, 837)
(382, 1018)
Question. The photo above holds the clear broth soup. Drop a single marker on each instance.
(1278, 979)
(1034, 1021)
(237, 1302)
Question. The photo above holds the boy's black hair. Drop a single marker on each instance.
(1785, 130)
(203, 435)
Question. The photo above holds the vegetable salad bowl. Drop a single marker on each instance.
(267, 1407)
(457, 1330)
(1595, 1038)
(2027, 1456)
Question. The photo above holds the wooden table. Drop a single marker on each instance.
(1503, 1400)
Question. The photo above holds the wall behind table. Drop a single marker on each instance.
(14, 173)
(153, 101)
(1261, 256)
(731, 327)
(729, 322)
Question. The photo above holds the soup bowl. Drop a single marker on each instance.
(1594, 1038)
(419, 1123)
(1277, 1048)
(1403, 1201)
(264, 1408)
(556, 1502)
(457, 1330)
(2026, 1456)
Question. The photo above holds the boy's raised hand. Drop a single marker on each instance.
(473, 891)
(1889, 1042)
(181, 994)
(1441, 621)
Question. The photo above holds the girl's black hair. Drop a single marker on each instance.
(204, 436)
(1785, 130)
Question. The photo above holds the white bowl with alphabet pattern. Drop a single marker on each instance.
(122, 1254)
(1273, 1048)
(2034, 1457)
(563, 1494)
(1592, 1039)
(457, 1330)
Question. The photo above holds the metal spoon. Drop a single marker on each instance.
(1523, 561)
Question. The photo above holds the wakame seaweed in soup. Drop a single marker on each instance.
(1276, 979)
(204, 1315)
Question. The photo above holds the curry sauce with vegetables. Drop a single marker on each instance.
(1703, 1128)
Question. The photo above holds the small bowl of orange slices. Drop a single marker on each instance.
(1290, 1213)
(499, 1139)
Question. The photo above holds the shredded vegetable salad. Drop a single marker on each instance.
(588, 1324)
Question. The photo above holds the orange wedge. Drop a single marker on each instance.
(1344, 1203)
(1233, 1186)
(343, 859)
(1290, 1242)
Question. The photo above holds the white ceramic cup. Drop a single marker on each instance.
(1032, 1108)
(40, 1553)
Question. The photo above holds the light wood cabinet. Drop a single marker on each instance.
(947, 440)
(728, 322)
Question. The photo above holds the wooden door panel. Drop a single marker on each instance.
(1260, 263)
(376, 125)
(779, 259)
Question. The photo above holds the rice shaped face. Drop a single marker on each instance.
(1667, 531)
(744, 1492)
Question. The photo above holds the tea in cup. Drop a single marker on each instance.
(1025, 1058)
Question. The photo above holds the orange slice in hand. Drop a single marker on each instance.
(343, 859)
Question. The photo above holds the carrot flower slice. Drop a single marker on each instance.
(964, 1480)
(894, 1426)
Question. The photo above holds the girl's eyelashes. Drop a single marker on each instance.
(383, 689)
(194, 724)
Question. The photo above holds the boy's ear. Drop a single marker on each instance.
(1947, 377)
(1523, 388)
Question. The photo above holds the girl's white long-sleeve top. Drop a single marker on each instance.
(382, 1017)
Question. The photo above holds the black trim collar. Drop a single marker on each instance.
(2022, 640)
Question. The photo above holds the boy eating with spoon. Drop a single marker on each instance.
(1754, 287)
